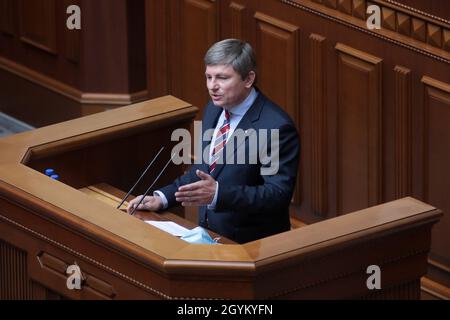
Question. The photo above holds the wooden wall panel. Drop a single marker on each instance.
(319, 158)
(20, 287)
(38, 24)
(198, 33)
(106, 37)
(437, 8)
(14, 261)
(394, 19)
(359, 129)
(403, 132)
(158, 23)
(35, 104)
(278, 41)
(7, 14)
(101, 66)
(436, 163)
(237, 20)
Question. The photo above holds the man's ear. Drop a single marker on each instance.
(250, 80)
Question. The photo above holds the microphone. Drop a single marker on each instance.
(154, 181)
(140, 178)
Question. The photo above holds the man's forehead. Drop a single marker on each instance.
(219, 68)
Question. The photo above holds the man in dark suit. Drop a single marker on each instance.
(243, 187)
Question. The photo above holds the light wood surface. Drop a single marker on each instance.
(52, 224)
(113, 197)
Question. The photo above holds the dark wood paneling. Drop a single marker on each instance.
(359, 9)
(277, 40)
(394, 19)
(359, 129)
(345, 6)
(330, 3)
(319, 159)
(436, 163)
(14, 261)
(104, 61)
(136, 47)
(198, 32)
(403, 134)
(437, 8)
(407, 291)
(38, 24)
(7, 14)
(158, 44)
(34, 105)
(237, 20)
(103, 65)
(42, 42)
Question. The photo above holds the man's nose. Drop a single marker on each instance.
(213, 85)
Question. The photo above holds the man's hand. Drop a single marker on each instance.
(200, 193)
(150, 203)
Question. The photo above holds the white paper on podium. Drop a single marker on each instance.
(170, 227)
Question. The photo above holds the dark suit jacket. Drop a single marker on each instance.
(249, 206)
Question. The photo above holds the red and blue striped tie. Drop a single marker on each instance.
(220, 141)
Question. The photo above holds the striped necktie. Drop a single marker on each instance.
(219, 142)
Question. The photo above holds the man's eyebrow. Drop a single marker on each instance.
(220, 74)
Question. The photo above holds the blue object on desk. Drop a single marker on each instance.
(198, 235)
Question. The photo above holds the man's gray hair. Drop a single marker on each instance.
(234, 52)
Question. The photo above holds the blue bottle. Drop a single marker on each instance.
(49, 172)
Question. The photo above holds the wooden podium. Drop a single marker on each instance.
(47, 226)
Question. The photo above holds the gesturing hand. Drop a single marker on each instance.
(150, 203)
(200, 193)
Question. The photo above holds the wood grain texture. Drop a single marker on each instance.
(319, 147)
(436, 156)
(403, 132)
(237, 20)
(38, 26)
(7, 13)
(359, 133)
(394, 21)
(14, 262)
(278, 41)
(106, 57)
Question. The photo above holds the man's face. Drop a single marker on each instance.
(225, 85)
